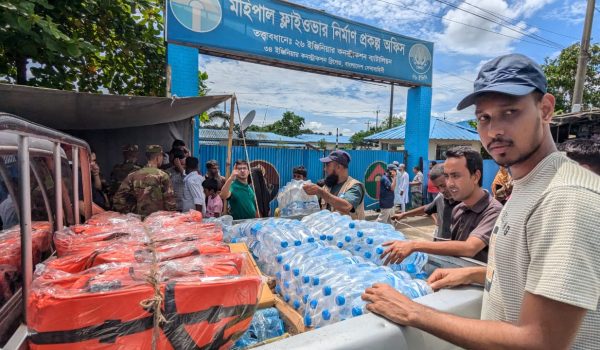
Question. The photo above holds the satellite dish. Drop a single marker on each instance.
(247, 120)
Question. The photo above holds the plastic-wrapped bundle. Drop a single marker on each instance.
(362, 238)
(141, 253)
(10, 244)
(171, 218)
(113, 218)
(226, 224)
(325, 283)
(81, 238)
(266, 324)
(267, 238)
(122, 305)
(294, 201)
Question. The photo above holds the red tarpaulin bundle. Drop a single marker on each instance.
(207, 302)
(10, 244)
(119, 283)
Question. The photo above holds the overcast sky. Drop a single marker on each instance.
(459, 50)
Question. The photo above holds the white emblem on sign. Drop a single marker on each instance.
(200, 16)
(419, 58)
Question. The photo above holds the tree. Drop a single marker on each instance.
(358, 139)
(88, 45)
(290, 125)
(560, 73)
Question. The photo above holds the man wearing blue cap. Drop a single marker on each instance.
(542, 281)
(341, 192)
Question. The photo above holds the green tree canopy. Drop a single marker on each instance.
(87, 44)
(561, 71)
(290, 124)
(358, 139)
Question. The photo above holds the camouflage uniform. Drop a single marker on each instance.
(120, 171)
(145, 191)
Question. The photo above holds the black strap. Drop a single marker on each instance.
(173, 329)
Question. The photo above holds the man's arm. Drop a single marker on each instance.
(413, 212)
(543, 323)
(225, 193)
(169, 200)
(339, 204)
(398, 250)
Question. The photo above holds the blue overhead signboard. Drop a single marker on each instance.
(287, 35)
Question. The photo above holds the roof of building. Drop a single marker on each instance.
(439, 129)
(262, 137)
(314, 138)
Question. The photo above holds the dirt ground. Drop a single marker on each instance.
(419, 228)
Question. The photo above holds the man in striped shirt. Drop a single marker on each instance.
(542, 282)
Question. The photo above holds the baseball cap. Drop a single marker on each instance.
(340, 157)
(130, 148)
(512, 74)
(154, 149)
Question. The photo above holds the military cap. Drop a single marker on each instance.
(130, 148)
(154, 149)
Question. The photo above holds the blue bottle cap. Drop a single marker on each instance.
(348, 238)
(357, 248)
(356, 311)
(323, 237)
(329, 237)
(326, 315)
(278, 290)
(340, 244)
(311, 239)
(368, 255)
(313, 304)
(286, 284)
(278, 275)
(307, 321)
(286, 298)
(296, 272)
(296, 304)
(316, 281)
(352, 225)
(327, 291)
(286, 267)
(340, 300)
(297, 243)
(305, 298)
(369, 240)
(379, 250)
(421, 275)
(359, 234)
(305, 279)
(411, 268)
(234, 240)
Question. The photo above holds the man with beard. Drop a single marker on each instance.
(442, 206)
(542, 281)
(341, 192)
(472, 220)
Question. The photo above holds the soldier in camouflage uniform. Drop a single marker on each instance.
(120, 171)
(147, 190)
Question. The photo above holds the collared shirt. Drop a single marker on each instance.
(443, 207)
(193, 192)
(386, 193)
(177, 182)
(477, 221)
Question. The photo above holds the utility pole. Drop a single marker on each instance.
(391, 107)
(336, 138)
(368, 125)
(584, 53)
(377, 119)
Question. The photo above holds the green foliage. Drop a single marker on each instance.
(358, 139)
(290, 125)
(560, 73)
(322, 144)
(90, 45)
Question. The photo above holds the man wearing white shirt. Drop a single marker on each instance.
(193, 193)
(401, 190)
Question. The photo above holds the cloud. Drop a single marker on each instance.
(572, 12)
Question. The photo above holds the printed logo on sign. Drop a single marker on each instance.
(200, 16)
(419, 58)
(372, 177)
